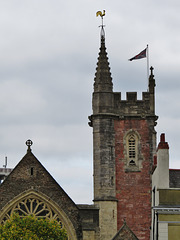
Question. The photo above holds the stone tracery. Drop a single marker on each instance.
(31, 205)
(39, 205)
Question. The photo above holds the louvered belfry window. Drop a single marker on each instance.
(132, 150)
(132, 147)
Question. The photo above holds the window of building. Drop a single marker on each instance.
(32, 206)
(132, 151)
(32, 171)
(132, 147)
(132, 140)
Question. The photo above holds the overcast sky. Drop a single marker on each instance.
(48, 56)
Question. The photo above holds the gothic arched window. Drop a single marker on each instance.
(33, 206)
(132, 149)
(40, 206)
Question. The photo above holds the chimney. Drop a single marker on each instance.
(163, 163)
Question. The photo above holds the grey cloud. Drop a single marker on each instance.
(48, 58)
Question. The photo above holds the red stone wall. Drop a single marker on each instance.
(133, 189)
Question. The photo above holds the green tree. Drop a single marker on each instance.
(31, 228)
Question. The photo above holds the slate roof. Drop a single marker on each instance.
(174, 178)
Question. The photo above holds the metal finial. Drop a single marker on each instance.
(101, 14)
(29, 143)
(5, 165)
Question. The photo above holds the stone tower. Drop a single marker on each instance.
(124, 142)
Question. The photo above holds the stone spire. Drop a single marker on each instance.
(103, 79)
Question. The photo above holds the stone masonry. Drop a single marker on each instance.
(120, 186)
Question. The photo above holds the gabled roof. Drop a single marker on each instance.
(125, 233)
(31, 175)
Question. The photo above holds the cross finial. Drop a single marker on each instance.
(29, 143)
(151, 68)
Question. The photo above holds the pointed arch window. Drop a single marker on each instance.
(33, 206)
(132, 143)
(40, 206)
(132, 149)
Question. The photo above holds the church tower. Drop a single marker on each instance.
(124, 142)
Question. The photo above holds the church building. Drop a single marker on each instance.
(136, 196)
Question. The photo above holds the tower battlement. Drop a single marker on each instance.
(131, 105)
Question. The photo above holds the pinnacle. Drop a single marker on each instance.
(151, 81)
(103, 79)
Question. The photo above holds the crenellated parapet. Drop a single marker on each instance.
(132, 107)
(111, 103)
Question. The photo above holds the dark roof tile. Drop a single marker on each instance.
(174, 178)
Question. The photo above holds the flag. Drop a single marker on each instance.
(140, 55)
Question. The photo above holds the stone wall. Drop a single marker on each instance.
(90, 221)
(30, 175)
(107, 219)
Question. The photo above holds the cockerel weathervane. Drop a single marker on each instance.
(101, 14)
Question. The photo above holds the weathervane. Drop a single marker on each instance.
(102, 14)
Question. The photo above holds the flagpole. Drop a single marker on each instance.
(147, 63)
